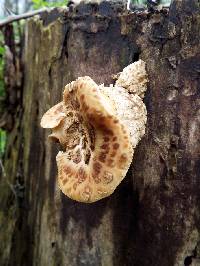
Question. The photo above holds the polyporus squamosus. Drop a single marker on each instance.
(99, 128)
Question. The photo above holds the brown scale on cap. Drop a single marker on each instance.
(96, 138)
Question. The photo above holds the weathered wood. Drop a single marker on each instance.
(153, 216)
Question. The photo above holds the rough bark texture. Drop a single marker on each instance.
(153, 217)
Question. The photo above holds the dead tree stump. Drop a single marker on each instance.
(153, 217)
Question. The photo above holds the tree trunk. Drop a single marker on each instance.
(153, 216)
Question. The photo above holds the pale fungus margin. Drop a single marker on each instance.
(99, 128)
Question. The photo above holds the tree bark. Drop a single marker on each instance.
(153, 216)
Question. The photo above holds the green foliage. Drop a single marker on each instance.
(45, 3)
(42, 3)
(3, 137)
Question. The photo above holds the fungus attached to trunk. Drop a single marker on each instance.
(98, 127)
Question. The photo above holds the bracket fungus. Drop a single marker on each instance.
(98, 128)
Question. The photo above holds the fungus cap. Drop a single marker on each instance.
(53, 116)
(98, 128)
(93, 168)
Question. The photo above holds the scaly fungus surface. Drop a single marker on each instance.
(99, 128)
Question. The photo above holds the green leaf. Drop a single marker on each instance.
(2, 50)
(3, 137)
(42, 3)
(39, 4)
